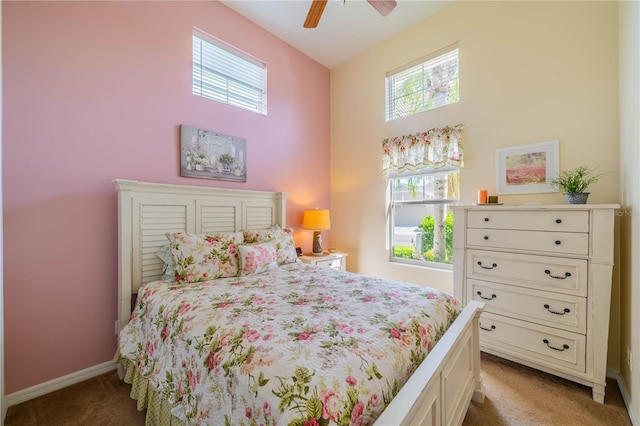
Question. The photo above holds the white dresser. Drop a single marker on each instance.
(544, 273)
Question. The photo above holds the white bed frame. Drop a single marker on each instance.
(440, 390)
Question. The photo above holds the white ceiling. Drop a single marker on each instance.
(346, 29)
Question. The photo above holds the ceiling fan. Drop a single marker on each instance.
(384, 7)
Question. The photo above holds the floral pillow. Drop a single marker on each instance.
(204, 256)
(258, 258)
(283, 238)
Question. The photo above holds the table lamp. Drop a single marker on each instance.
(316, 220)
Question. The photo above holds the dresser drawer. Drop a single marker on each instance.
(541, 220)
(540, 307)
(331, 260)
(547, 242)
(557, 274)
(330, 263)
(543, 345)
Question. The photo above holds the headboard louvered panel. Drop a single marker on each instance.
(147, 211)
(155, 221)
(221, 218)
(258, 217)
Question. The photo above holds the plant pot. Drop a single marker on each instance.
(199, 167)
(579, 198)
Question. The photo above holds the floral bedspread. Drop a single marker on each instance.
(299, 344)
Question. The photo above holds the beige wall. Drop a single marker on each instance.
(529, 72)
(630, 196)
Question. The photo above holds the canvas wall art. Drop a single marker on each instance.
(209, 155)
(527, 168)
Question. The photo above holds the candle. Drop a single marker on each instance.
(482, 196)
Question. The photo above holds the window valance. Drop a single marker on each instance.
(435, 148)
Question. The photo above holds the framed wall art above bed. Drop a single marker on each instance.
(211, 155)
(241, 331)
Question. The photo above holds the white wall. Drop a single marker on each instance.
(529, 72)
(629, 16)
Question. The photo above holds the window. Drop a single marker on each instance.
(227, 75)
(430, 83)
(421, 216)
(424, 181)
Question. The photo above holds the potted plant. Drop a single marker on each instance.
(200, 160)
(574, 184)
(226, 160)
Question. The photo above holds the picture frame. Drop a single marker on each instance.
(527, 169)
(209, 155)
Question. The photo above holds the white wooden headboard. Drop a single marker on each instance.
(147, 211)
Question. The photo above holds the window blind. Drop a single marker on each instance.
(227, 75)
(427, 84)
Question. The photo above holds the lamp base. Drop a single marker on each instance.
(317, 244)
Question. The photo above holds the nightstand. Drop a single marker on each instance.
(328, 260)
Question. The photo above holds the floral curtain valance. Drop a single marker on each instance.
(433, 148)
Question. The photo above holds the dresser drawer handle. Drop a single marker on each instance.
(494, 265)
(558, 220)
(557, 277)
(493, 327)
(558, 242)
(486, 237)
(479, 293)
(566, 310)
(562, 349)
(486, 219)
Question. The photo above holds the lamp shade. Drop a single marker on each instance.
(316, 220)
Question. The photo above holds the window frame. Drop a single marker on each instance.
(426, 63)
(238, 73)
(391, 214)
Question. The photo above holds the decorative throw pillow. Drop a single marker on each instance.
(164, 253)
(204, 256)
(285, 246)
(258, 258)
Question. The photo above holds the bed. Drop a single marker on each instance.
(265, 339)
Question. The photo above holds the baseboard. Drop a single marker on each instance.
(626, 397)
(59, 383)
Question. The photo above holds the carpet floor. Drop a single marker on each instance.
(515, 395)
(523, 396)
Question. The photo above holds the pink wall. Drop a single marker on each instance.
(97, 91)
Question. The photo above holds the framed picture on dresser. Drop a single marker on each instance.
(527, 169)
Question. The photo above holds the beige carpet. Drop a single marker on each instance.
(101, 401)
(515, 395)
(518, 395)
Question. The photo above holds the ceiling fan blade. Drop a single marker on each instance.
(315, 13)
(384, 7)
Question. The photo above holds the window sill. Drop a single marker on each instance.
(434, 266)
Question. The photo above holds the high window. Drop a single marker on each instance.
(227, 75)
(427, 83)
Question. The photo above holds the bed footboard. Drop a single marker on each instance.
(441, 389)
